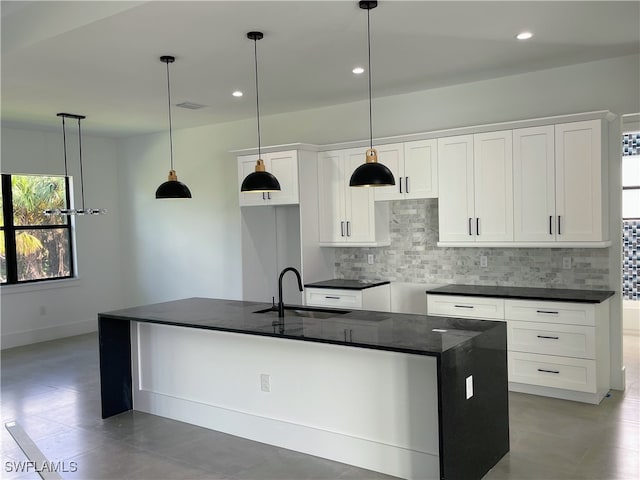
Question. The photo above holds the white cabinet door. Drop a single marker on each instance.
(420, 169)
(579, 181)
(359, 209)
(284, 166)
(493, 186)
(331, 197)
(534, 196)
(455, 184)
(392, 156)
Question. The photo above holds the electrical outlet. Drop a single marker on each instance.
(469, 385)
(483, 260)
(566, 263)
(370, 258)
(265, 382)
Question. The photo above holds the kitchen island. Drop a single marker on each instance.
(407, 395)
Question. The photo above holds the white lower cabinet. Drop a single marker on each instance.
(555, 349)
(372, 298)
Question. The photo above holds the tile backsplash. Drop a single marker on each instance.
(414, 257)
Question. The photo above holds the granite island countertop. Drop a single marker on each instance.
(524, 293)
(406, 333)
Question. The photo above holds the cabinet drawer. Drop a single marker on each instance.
(550, 312)
(552, 371)
(462, 306)
(328, 297)
(553, 339)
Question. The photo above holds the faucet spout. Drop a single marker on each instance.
(280, 302)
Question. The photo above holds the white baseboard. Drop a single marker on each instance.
(18, 339)
(584, 397)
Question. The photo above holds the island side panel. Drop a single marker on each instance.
(370, 408)
(475, 430)
(115, 365)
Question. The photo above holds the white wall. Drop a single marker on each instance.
(70, 306)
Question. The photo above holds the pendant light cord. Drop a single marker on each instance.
(170, 130)
(80, 155)
(369, 57)
(255, 56)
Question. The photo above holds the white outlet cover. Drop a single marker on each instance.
(265, 382)
(483, 260)
(469, 382)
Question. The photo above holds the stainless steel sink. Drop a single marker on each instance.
(305, 312)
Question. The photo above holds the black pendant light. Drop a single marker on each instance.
(172, 188)
(74, 211)
(371, 173)
(260, 180)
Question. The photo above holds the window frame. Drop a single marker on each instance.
(9, 230)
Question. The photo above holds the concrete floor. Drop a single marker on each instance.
(52, 390)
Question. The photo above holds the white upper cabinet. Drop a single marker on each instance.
(348, 215)
(475, 188)
(493, 186)
(579, 182)
(559, 183)
(534, 195)
(455, 184)
(414, 166)
(284, 166)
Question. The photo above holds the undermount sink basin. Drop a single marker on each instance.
(305, 312)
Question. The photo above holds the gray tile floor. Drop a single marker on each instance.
(52, 389)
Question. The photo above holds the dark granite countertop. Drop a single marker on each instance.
(342, 284)
(417, 334)
(524, 293)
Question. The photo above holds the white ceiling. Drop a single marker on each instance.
(101, 58)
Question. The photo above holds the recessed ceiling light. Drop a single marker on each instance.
(358, 70)
(237, 93)
(524, 35)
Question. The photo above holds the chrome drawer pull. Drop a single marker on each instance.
(550, 312)
(551, 338)
(463, 306)
(548, 371)
(332, 298)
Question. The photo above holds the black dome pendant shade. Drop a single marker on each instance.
(260, 180)
(172, 188)
(371, 173)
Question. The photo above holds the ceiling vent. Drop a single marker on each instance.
(190, 105)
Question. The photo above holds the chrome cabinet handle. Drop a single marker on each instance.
(345, 334)
(550, 338)
(351, 335)
(550, 224)
(470, 232)
(332, 298)
(559, 228)
(342, 229)
(548, 312)
(463, 306)
(268, 195)
(400, 184)
(478, 226)
(263, 196)
(548, 371)
(406, 184)
(348, 228)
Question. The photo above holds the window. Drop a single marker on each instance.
(34, 246)
(631, 176)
